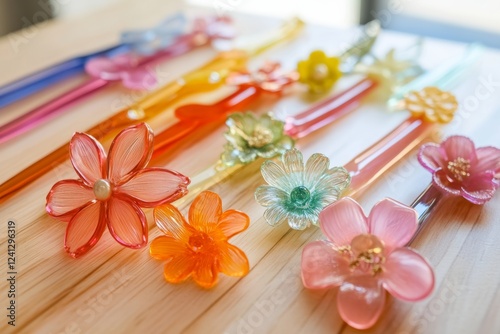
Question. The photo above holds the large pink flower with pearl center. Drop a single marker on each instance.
(365, 256)
(111, 190)
(461, 169)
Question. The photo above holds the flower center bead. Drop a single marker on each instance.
(367, 253)
(201, 242)
(300, 197)
(320, 72)
(261, 136)
(102, 189)
(459, 168)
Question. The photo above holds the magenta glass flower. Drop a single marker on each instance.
(269, 78)
(111, 190)
(364, 256)
(461, 169)
(123, 68)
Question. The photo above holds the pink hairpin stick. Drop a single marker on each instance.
(133, 71)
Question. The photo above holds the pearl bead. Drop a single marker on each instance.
(320, 72)
(102, 189)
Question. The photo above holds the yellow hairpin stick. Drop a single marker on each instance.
(206, 78)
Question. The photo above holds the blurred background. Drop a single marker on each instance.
(460, 20)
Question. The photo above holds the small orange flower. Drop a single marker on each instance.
(432, 104)
(200, 248)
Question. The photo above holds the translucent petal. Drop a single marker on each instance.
(269, 195)
(316, 166)
(459, 147)
(432, 157)
(322, 266)
(232, 261)
(127, 223)
(293, 161)
(441, 180)
(179, 268)
(276, 215)
(342, 221)
(206, 273)
(67, 196)
(360, 301)
(166, 247)
(130, 151)
(275, 176)
(84, 230)
(232, 222)
(299, 222)
(488, 158)
(205, 211)
(87, 157)
(169, 219)
(153, 186)
(479, 188)
(407, 275)
(393, 223)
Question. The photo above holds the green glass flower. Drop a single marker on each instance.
(249, 137)
(297, 193)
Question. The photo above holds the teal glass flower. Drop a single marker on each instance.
(249, 137)
(296, 192)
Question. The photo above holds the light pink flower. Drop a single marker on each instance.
(111, 190)
(365, 256)
(460, 169)
(125, 68)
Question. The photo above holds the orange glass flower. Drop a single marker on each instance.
(432, 104)
(200, 247)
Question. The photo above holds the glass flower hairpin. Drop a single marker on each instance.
(134, 71)
(297, 192)
(173, 26)
(111, 190)
(198, 246)
(364, 256)
(206, 78)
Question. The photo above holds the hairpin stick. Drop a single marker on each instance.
(131, 70)
(205, 78)
(9, 93)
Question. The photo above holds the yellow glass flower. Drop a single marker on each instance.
(432, 104)
(319, 72)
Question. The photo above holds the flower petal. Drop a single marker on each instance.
(232, 261)
(338, 177)
(393, 223)
(205, 211)
(407, 275)
(205, 273)
(179, 268)
(166, 247)
(153, 186)
(232, 222)
(293, 161)
(84, 230)
(127, 223)
(479, 189)
(87, 157)
(66, 196)
(269, 195)
(432, 157)
(171, 222)
(316, 166)
(322, 266)
(488, 158)
(275, 176)
(275, 215)
(130, 151)
(299, 222)
(459, 147)
(441, 180)
(342, 221)
(361, 301)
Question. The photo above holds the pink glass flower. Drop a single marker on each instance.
(111, 190)
(268, 78)
(461, 169)
(122, 67)
(365, 256)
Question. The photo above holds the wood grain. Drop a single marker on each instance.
(117, 290)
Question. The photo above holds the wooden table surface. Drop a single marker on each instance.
(117, 290)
